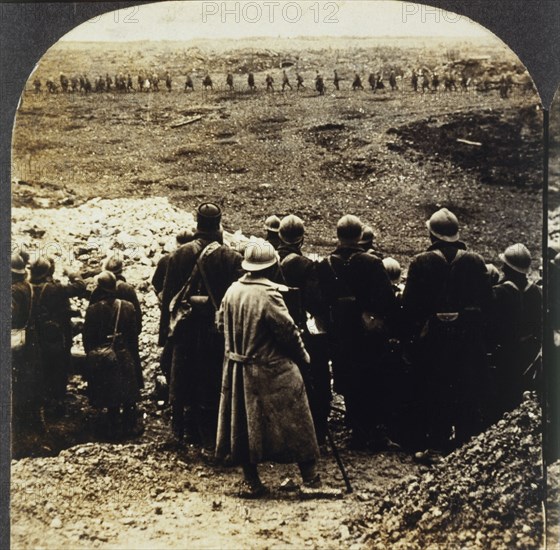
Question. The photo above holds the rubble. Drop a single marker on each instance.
(488, 493)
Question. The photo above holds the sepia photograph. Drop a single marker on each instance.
(277, 281)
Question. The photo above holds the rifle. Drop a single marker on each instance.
(339, 462)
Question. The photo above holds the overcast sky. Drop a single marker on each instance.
(245, 18)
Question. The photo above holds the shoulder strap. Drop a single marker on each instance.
(116, 322)
(30, 286)
(511, 284)
(206, 252)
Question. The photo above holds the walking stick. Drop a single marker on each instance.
(339, 462)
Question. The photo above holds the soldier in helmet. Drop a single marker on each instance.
(357, 83)
(271, 226)
(299, 82)
(200, 272)
(124, 290)
(414, 80)
(37, 85)
(189, 84)
(360, 300)
(515, 326)
(229, 82)
(269, 83)
(251, 82)
(168, 81)
(26, 370)
(336, 80)
(366, 242)
(207, 82)
(183, 237)
(393, 81)
(264, 413)
(285, 80)
(320, 83)
(299, 272)
(445, 305)
(51, 317)
(115, 387)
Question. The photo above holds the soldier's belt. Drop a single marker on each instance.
(448, 317)
(238, 358)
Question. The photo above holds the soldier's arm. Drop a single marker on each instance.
(284, 329)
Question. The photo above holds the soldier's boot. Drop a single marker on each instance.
(113, 429)
(252, 486)
(207, 420)
(178, 422)
(309, 474)
(133, 423)
(191, 426)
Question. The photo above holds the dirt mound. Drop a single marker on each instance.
(488, 493)
(503, 148)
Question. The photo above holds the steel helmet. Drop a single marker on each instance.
(518, 257)
(113, 264)
(272, 223)
(444, 225)
(18, 265)
(367, 236)
(349, 228)
(40, 268)
(291, 229)
(107, 281)
(393, 268)
(259, 254)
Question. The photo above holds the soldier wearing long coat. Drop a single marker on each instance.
(264, 413)
(27, 384)
(125, 291)
(356, 288)
(515, 329)
(51, 316)
(445, 304)
(198, 348)
(118, 385)
(299, 272)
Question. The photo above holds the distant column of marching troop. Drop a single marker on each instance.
(255, 340)
(419, 81)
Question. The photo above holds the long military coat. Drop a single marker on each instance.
(198, 350)
(121, 385)
(264, 412)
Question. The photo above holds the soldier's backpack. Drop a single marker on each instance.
(346, 314)
(195, 297)
(104, 357)
(51, 335)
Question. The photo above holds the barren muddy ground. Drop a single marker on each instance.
(104, 171)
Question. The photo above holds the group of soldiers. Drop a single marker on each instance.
(423, 366)
(43, 329)
(428, 365)
(120, 83)
(422, 80)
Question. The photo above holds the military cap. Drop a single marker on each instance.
(272, 223)
(208, 217)
(17, 264)
(113, 264)
(518, 257)
(291, 229)
(40, 268)
(444, 225)
(107, 281)
(349, 228)
(259, 254)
